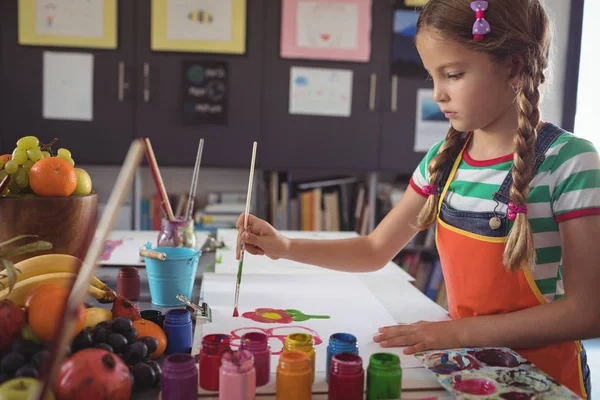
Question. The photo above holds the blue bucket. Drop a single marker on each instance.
(172, 276)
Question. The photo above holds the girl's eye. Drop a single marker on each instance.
(455, 76)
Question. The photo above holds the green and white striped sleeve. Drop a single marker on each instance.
(420, 177)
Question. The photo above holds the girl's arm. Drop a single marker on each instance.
(361, 254)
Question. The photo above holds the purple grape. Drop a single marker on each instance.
(11, 363)
(150, 342)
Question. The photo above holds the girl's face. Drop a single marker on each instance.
(473, 91)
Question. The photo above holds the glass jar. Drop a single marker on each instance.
(177, 233)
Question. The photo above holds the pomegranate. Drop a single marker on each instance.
(93, 374)
(123, 307)
(12, 321)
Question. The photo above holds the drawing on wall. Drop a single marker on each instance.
(320, 91)
(415, 3)
(497, 373)
(199, 26)
(205, 88)
(275, 335)
(80, 23)
(327, 30)
(272, 315)
(431, 124)
(406, 61)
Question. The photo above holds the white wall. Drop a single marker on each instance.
(177, 180)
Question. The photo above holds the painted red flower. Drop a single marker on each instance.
(269, 315)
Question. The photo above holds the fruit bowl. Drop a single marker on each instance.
(67, 222)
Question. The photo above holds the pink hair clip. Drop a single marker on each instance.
(481, 26)
(430, 190)
(513, 210)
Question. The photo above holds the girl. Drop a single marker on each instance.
(516, 201)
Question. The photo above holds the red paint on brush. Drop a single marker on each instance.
(235, 312)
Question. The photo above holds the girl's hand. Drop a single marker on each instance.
(421, 336)
(260, 238)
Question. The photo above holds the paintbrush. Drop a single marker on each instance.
(240, 265)
(192, 195)
(158, 182)
(89, 266)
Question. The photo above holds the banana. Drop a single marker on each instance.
(48, 264)
(95, 315)
(64, 279)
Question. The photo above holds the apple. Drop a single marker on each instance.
(84, 183)
(22, 389)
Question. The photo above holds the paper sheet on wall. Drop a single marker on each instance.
(320, 91)
(68, 86)
(431, 124)
(70, 18)
(350, 306)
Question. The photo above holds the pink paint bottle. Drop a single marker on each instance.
(258, 344)
(237, 376)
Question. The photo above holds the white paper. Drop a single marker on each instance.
(199, 20)
(350, 305)
(68, 86)
(80, 18)
(327, 25)
(431, 125)
(320, 91)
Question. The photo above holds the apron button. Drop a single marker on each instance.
(495, 223)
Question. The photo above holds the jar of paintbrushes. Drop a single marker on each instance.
(178, 232)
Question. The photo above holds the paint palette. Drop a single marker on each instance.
(491, 373)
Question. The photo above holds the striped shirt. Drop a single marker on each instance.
(566, 186)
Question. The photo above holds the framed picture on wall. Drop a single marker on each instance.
(326, 30)
(68, 23)
(200, 26)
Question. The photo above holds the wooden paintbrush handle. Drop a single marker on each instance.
(153, 254)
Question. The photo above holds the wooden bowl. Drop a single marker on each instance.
(69, 223)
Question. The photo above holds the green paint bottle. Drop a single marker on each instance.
(384, 377)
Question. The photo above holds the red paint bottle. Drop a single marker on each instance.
(128, 283)
(258, 344)
(213, 347)
(346, 377)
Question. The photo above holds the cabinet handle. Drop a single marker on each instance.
(146, 83)
(394, 99)
(372, 91)
(121, 82)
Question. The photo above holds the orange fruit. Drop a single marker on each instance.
(45, 288)
(6, 157)
(149, 328)
(45, 312)
(53, 177)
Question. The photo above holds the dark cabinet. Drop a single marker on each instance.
(159, 92)
(106, 138)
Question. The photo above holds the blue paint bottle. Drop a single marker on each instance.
(178, 328)
(340, 343)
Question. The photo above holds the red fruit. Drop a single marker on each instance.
(12, 321)
(123, 307)
(93, 374)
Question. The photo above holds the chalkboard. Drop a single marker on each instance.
(205, 92)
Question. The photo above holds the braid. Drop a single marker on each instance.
(519, 249)
(447, 152)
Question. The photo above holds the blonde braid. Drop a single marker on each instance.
(520, 250)
(447, 152)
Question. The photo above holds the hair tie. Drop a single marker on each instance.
(481, 26)
(430, 190)
(513, 210)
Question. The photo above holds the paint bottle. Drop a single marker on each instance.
(128, 283)
(306, 344)
(213, 347)
(384, 377)
(155, 316)
(339, 343)
(293, 376)
(237, 376)
(258, 344)
(179, 377)
(178, 328)
(347, 379)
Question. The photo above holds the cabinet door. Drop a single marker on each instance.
(342, 143)
(160, 94)
(103, 140)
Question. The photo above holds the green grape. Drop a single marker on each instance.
(28, 164)
(64, 152)
(35, 154)
(1, 163)
(14, 188)
(22, 178)
(27, 142)
(11, 167)
(19, 156)
(69, 159)
(45, 154)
